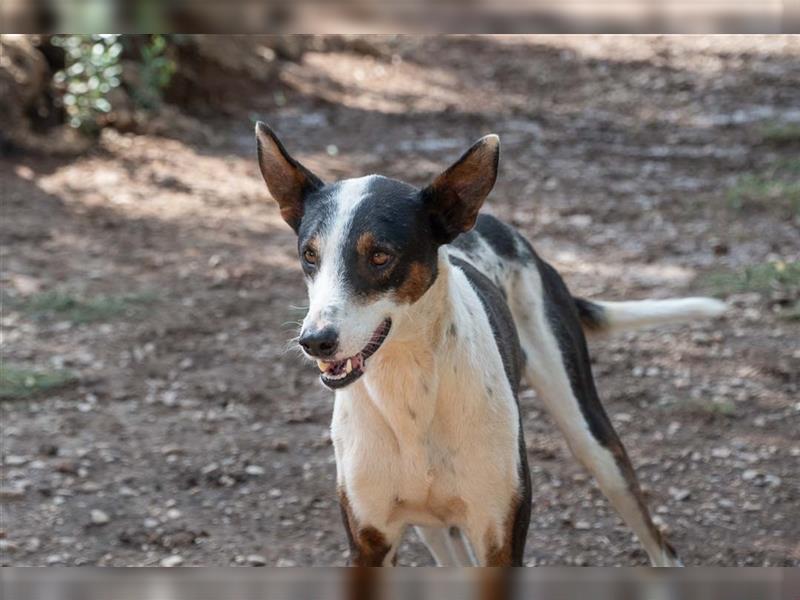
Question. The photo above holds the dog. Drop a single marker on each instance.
(424, 316)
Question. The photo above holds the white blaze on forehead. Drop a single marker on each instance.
(326, 291)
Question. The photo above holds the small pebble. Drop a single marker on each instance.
(171, 561)
(679, 494)
(749, 474)
(174, 513)
(99, 517)
(285, 562)
(256, 560)
(11, 493)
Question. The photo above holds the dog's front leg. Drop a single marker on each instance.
(371, 545)
(498, 537)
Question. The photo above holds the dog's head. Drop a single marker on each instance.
(369, 246)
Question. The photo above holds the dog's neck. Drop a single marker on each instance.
(406, 375)
(408, 364)
(422, 325)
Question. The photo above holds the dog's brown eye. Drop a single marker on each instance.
(379, 258)
(310, 256)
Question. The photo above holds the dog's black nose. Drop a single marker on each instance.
(320, 343)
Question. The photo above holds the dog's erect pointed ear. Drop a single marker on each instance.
(455, 197)
(288, 181)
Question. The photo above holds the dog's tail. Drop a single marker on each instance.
(598, 317)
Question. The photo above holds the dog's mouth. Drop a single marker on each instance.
(340, 373)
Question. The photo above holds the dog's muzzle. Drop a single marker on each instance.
(340, 373)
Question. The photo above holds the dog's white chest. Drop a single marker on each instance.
(415, 441)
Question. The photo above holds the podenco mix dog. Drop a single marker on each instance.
(423, 317)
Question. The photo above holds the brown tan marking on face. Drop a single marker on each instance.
(368, 546)
(417, 283)
(500, 553)
(313, 244)
(365, 243)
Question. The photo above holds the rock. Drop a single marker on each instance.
(99, 517)
(68, 467)
(11, 493)
(751, 507)
(13, 460)
(679, 494)
(721, 452)
(256, 560)
(750, 474)
(48, 449)
(254, 470)
(174, 513)
(171, 561)
(583, 525)
(7, 546)
(285, 562)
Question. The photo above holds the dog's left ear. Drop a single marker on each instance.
(288, 181)
(455, 197)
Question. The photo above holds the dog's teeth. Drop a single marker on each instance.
(349, 365)
(323, 366)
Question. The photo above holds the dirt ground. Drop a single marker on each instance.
(153, 287)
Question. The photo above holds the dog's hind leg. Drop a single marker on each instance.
(446, 545)
(558, 368)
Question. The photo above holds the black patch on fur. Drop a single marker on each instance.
(522, 517)
(468, 242)
(505, 241)
(507, 341)
(592, 315)
(562, 314)
(503, 328)
(394, 215)
(319, 209)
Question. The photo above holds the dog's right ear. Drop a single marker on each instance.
(288, 181)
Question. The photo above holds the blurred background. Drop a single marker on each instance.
(153, 411)
(407, 16)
